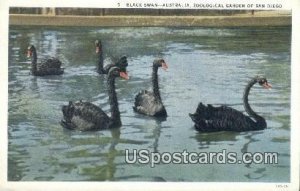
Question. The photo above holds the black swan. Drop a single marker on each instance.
(223, 118)
(150, 103)
(51, 66)
(85, 116)
(121, 63)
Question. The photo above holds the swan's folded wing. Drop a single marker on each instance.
(146, 103)
(224, 112)
(229, 119)
(210, 118)
(211, 112)
(88, 116)
(144, 98)
(50, 63)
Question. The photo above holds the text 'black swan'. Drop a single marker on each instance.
(85, 116)
(223, 118)
(150, 103)
(121, 63)
(50, 66)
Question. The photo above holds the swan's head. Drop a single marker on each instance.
(98, 46)
(117, 72)
(30, 50)
(160, 63)
(122, 63)
(263, 82)
(68, 110)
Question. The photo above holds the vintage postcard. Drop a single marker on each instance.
(175, 95)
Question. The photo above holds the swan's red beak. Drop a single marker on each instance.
(29, 53)
(267, 85)
(98, 49)
(164, 66)
(124, 75)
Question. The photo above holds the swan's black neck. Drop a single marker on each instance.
(261, 122)
(155, 83)
(33, 61)
(113, 101)
(100, 62)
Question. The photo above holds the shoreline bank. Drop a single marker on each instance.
(180, 21)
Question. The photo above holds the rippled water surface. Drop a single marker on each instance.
(205, 64)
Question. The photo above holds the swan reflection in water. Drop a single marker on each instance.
(106, 171)
(115, 158)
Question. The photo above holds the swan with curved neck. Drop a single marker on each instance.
(50, 66)
(209, 118)
(85, 116)
(99, 52)
(150, 103)
(101, 69)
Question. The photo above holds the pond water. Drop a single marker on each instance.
(211, 65)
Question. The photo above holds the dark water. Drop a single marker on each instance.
(205, 64)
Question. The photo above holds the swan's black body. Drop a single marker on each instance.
(150, 103)
(85, 116)
(121, 63)
(46, 67)
(209, 118)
